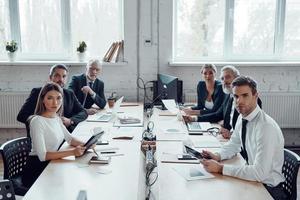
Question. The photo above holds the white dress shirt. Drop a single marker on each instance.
(264, 146)
(46, 135)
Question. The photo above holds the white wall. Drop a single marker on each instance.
(147, 20)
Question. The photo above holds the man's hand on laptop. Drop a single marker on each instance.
(91, 111)
(189, 111)
(188, 118)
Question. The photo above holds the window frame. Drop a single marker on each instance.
(68, 53)
(228, 55)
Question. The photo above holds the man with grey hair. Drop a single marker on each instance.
(226, 112)
(73, 112)
(88, 88)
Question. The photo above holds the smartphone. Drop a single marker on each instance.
(186, 157)
(100, 160)
(102, 142)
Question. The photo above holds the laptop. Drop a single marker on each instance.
(197, 128)
(106, 117)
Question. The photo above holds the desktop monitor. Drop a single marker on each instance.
(167, 87)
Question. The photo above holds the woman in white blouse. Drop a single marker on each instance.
(48, 133)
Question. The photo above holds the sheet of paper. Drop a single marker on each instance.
(190, 172)
(206, 141)
(171, 105)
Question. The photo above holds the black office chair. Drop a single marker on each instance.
(7, 190)
(290, 170)
(14, 154)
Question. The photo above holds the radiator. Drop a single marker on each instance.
(10, 104)
(284, 108)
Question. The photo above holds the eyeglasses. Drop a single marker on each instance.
(214, 131)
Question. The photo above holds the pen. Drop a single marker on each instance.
(106, 152)
(95, 152)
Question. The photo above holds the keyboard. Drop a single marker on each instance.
(198, 126)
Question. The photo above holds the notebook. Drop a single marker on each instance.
(105, 117)
(197, 127)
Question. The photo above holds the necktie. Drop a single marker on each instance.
(91, 84)
(244, 130)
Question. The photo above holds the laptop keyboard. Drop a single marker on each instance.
(194, 126)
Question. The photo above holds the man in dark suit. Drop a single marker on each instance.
(88, 88)
(226, 112)
(73, 112)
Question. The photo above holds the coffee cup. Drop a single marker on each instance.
(111, 102)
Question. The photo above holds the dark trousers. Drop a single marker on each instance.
(33, 169)
(276, 192)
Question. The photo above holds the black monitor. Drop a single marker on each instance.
(167, 87)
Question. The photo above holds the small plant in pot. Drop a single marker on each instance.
(11, 48)
(81, 50)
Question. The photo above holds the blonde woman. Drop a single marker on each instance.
(48, 133)
(209, 92)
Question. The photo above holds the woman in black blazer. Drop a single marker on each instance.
(209, 92)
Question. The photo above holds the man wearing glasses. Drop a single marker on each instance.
(88, 88)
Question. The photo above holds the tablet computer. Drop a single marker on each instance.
(93, 140)
(193, 152)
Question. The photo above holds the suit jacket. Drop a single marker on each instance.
(223, 113)
(72, 108)
(78, 82)
(217, 96)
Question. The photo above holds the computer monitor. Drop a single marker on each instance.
(167, 87)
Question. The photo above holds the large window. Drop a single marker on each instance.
(51, 29)
(236, 30)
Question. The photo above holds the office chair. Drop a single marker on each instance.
(14, 154)
(7, 190)
(290, 170)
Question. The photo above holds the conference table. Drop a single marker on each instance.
(124, 176)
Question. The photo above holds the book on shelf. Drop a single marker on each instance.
(106, 56)
(115, 52)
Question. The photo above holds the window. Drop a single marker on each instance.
(236, 30)
(52, 29)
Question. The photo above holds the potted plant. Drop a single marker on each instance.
(81, 50)
(11, 48)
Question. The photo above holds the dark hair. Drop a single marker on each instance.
(40, 107)
(57, 66)
(245, 80)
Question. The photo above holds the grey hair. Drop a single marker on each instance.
(235, 72)
(93, 62)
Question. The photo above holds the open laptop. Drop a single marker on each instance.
(196, 128)
(104, 116)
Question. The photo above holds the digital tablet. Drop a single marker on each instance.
(193, 152)
(93, 140)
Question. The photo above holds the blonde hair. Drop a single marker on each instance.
(209, 66)
(40, 107)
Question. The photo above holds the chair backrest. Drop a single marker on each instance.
(14, 154)
(290, 170)
(7, 190)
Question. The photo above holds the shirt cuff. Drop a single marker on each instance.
(94, 95)
(227, 170)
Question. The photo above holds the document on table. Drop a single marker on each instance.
(190, 173)
(206, 141)
(171, 105)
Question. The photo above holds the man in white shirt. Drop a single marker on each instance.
(261, 141)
